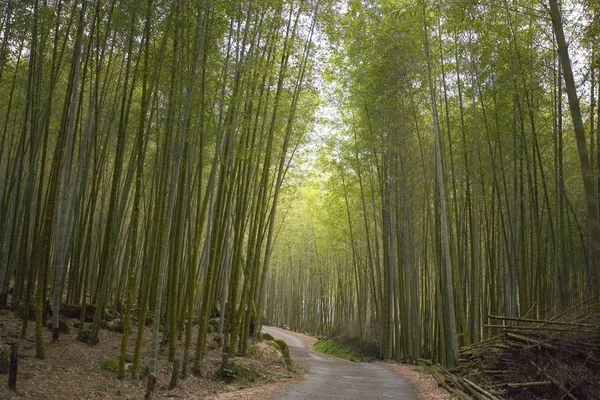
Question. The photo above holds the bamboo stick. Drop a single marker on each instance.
(481, 390)
(540, 321)
(554, 382)
(521, 385)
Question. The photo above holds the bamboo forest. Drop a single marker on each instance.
(417, 180)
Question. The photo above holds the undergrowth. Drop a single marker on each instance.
(337, 350)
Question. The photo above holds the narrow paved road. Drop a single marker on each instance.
(340, 379)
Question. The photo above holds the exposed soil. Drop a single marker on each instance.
(72, 369)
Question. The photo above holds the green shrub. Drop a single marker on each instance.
(253, 351)
(142, 370)
(367, 350)
(266, 336)
(211, 328)
(337, 350)
(84, 336)
(110, 365)
(213, 324)
(229, 372)
(102, 388)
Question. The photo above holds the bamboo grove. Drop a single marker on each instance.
(452, 187)
(143, 148)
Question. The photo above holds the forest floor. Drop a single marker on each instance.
(72, 369)
(425, 385)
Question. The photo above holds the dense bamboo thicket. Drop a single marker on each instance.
(462, 178)
(143, 147)
(149, 165)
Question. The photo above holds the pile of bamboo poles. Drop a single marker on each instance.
(528, 359)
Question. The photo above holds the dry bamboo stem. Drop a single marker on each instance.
(527, 340)
(535, 328)
(481, 390)
(539, 321)
(520, 385)
(555, 382)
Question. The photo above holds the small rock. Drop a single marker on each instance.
(63, 325)
(115, 325)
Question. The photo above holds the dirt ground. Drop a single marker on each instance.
(72, 369)
(425, 384)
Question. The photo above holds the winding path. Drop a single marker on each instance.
(340, 379)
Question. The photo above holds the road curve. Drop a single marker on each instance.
(340, 379)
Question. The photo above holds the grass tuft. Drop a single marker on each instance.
(110, 365)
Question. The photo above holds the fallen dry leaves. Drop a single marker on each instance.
(72, 370)
(425, 385)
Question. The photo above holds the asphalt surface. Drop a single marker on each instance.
(340, 379)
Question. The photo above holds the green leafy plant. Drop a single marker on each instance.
(337, 350)
(110, 365)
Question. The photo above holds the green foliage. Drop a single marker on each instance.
(84, 336)
(337, 350)
(213, 325)
(101, 388)
(109, 364)
(364, 229)
(141, 372)
(229, 372)
(253, 351)
(267, 336)
(367, 349)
